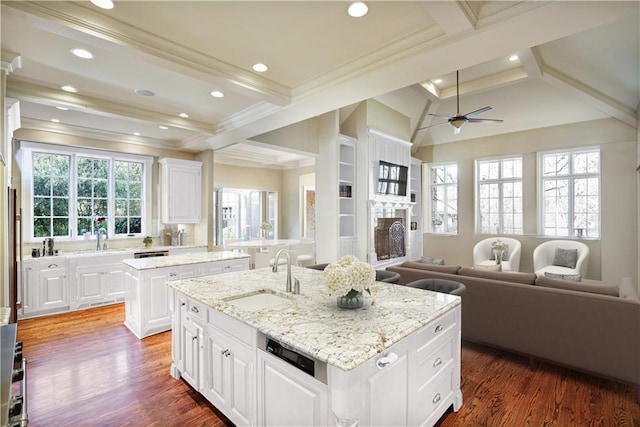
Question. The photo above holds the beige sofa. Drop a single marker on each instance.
(595, 329)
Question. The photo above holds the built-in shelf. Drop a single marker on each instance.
(346, 196)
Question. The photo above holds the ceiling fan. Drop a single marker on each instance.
(460, 119)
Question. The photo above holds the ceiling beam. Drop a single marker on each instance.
(451, 16)
(589, 95)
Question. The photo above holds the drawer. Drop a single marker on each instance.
(430, 363)
(233, 327)
(435, 397)
(197, 310)
(437, 328)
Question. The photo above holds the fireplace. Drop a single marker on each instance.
(389, 238)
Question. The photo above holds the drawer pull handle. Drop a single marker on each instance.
(227, 267)
(387, 360)
(195, 337)
(437, 362)
(173, 274)
(195, 309)
(438, 329)
(52, 266)
(436, 398)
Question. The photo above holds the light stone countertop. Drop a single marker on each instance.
(183, 259)
(312, 323)
(114, 251)
(5, 314)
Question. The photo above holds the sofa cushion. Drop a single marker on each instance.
(451, 269)
(591, 286)
(573, 277)
(488, 267)
(565, 258)
(503, 276)
(431, 260)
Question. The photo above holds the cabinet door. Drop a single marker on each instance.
(29, 289)
(88, 286)
(191, 350)
(229, 383)
(113, 281)
(181, 192)
(156, 300)
(52, 292)
(288, 396)
(386, 390)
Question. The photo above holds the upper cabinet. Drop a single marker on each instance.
(181, 197)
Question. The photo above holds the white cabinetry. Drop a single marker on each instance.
(216, 355)
(45, 288)
(97, 280)
(147, 306)
(181, 191)
(229, 372)
(347, 197)
(288, 396)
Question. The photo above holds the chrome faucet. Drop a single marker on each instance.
(106, 237)
(275, 267)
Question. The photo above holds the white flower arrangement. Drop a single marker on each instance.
(499, 245)
(349, 273)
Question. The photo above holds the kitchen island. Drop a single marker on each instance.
(266, 357)
(147, 304)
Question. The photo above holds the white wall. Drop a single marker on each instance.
(612, 257)
(292, 182)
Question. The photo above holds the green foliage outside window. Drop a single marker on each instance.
(50, 195)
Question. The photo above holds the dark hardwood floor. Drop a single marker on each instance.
(86, 369)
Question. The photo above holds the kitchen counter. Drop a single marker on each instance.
(312, 323)
(183, 259)
(114, 251)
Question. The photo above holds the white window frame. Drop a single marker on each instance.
(26, 159)
(427, 197)
(570, 177)
(500, 181)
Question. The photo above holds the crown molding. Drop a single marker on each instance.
(10, 62)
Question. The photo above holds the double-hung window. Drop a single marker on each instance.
(442, 198)
(570, 193)
(499, 195)
(69, 193)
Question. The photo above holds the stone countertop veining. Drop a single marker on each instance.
(312, 323)
(183, 259)
(5, 314)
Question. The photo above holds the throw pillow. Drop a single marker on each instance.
(431, 260)
(496, 267)
(565, 258)
(589, 286)
(573, 277)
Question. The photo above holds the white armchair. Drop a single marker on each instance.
(544, 253)
(483, 253)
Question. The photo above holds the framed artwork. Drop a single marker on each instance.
(309, 212)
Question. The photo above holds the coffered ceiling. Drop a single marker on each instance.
(577, 61)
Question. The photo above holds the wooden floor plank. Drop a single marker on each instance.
(86, 369)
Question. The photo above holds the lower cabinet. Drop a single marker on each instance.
(97, 281)
(288, 396)
(45, 289)
(147, 299)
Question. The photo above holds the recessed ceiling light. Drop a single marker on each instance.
(217, 94)
(55, 120)
(437, 81)
(163, 127)
(82, 53)
(69, 88)
(358, 9)
(103, 4)
(136, 133)
(513, 58)
(260, 67)
(144, 92)
(62, 108)
(183, 115)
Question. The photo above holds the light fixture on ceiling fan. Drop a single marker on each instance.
(459, 120)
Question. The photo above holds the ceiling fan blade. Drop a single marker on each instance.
(432, 126)
(478, 111)
(440, 115)
(485, 120)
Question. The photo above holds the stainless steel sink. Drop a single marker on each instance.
(255, 301)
